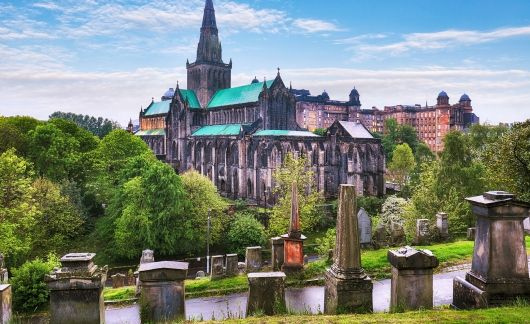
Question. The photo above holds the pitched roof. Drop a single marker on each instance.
(151, 132)
(238, 95)
(356, 130)
(219, 130)
(279, 132)
(162, 107)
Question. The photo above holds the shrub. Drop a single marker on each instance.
(371, 204)
(393, 210)
(245, 231)
(30, 292)
(327, 242)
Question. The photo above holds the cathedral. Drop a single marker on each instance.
(238, 136)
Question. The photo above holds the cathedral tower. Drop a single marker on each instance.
(209, 74)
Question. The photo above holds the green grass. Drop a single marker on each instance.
(119, 294)
(491, 315)
(206, 287)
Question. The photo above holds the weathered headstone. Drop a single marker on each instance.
(148, 256)
(76, 290)
(277, 253)
(348, 288)
(499, 269)
(412, 282)
(381, 236)
(293, 242)
(200, 274)
(266, 293)
(162, 298)
(231, 265)
(217, 270)
(241, 267)
(471, 233)
(397, 234)
(365, 228)
(5, 304)
(118, 280)
(423, 235)
(443, 225)
(253, 259)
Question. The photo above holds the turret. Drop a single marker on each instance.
(443, 99)
(355, 98)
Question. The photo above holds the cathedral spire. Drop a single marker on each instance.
(209, 49)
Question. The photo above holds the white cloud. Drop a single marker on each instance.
(444, 39)
(46, 5)
(360, 38)
(315, 25)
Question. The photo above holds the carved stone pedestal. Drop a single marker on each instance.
(266, 293)
(343, 296)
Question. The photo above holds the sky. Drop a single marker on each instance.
(109, 58)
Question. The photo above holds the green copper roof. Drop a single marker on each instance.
(151, 132)
(219, 130)
(239, 95)
(162, 107)
(157, 108)
(276, 132)
(191, 97)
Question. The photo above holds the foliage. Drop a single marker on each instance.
(17, 209)
(58, 221)
(294, 169)
(398, 134)
(11, 137)
(98, 126)
(423, 154)
(508, 161)
(320, 131)
(30, 292)
(149, 212)
(327, 242)
(402, 163)
(203, 200)
(371, 204)
(392, 211)
(245, 231)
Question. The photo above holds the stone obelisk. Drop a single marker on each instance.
(293, 248)
(348, 287)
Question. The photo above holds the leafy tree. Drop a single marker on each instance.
(392, 211)
(294, 169)
(17, 209)
(423, 154)
(87, 141)
(14, 133)
(58, 221)
(371, 204)
(30, 292)
(508, 161)
(98, 126)
(149, 211)
(203, 200)
(402, 163)
(245, 231)
(396, 134)
(320, 131)
(327, 242)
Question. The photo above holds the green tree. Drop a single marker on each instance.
(98, 126)
(14, 132)
(294, 169)
(245, 231)
(17, 209)
(396, 134)
(58, 221)
(402, 163)
(320, 131)
(203, 200)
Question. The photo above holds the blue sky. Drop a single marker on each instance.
(109, 58)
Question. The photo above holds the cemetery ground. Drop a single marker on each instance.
(374, 262)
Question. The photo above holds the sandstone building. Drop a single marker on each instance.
(430, 122)
(238, 136)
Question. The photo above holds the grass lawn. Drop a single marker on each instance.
(374, 262)
(491, 315)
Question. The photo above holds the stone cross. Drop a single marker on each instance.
(294, 225)
(365, 227)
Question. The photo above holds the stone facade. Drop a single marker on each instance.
(499, 269)
(431, 122)
(239, 136)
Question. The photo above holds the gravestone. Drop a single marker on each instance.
(241, 267)
(217, 270)
(231, 265)
(499, 268)
(365, 228)
(397, 234)
(422, 232)
(163, 291)
(148, 256)
(200, 274)
(266, 293)
(5, 304)
(293, 242)
(118, 280)
(381, 236)
(471, 233)
(348, 288)
(412, 281)
(76, 290)
(253, 259)
(443, 225)
(277, 253)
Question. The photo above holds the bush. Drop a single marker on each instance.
(245, 231)
(30, 292)
(371, 204)
(327, 242)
